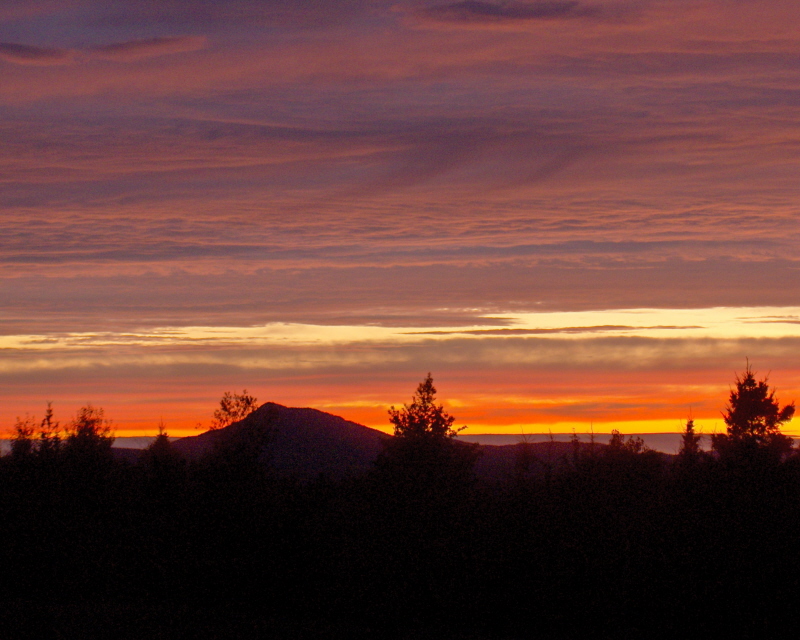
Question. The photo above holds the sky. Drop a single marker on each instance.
(573, 214)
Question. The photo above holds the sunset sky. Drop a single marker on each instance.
(573, 214)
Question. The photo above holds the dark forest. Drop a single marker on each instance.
(612, 540)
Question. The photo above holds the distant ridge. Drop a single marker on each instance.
(308, 442)
(666, 442)
(305, 441)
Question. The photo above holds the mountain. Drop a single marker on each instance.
(306, 442)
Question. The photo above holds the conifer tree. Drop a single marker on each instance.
(424, 450)
(423, 418)
(690, 451)
(753, 417)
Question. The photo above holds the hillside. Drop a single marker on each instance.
(302, 441)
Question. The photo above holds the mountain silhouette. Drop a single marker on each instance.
(306, 442)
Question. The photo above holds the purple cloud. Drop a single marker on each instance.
(209, 13)
(478, 11)
(26, 54)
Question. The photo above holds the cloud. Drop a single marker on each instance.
(129, 51)
(478, 11)
(30, 55)
(139, 49)
(244, 13)
(18, 10)
(560, 330)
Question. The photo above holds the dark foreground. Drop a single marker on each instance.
(613, 542)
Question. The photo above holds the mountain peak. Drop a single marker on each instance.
(304, 441)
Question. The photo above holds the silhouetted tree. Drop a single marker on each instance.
(424, 478)
(423, 419)
(25, 443)
(619, 445)
(160, 456)
(629, 457)
(165, 472)
(49, 435)
(690, 451)
(90, 429)
(232, 408)
(423, 445)
(22, 444)
(753, 418)
(161, 441)
(575, 446)
(87, 447)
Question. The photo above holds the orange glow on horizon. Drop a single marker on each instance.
(563, 402)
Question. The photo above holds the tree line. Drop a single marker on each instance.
(614, 540)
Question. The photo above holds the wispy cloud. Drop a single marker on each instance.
(242, 13)
(128, 51)
(508, 331)
(30, 55)
(479, 11)
(138, 49)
